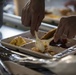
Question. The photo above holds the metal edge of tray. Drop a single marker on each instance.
(25, 51)
(17, 20)
(68, 51)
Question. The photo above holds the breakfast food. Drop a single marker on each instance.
(64, 12)
(18, 41)
(48, 50)
(53, 16)
(57, 13)
(42, 46)
(52, 50)
(49, 34)
(49, 46)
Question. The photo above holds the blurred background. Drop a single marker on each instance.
(14, 7)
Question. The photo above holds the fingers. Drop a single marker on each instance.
(32, 15)
(27, 19)
(35, 22)
(40, 18)
(22, 16)
(60, 30)
(31, 19)
(26, 16)
(67, 3)
(71, 34)
(58, 33)
(34, 19)
(63, 29)
(65, 33)
(70, 3)
(66, 28)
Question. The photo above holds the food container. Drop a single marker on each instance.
(27, 35)
(27, 48)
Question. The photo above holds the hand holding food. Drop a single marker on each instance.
(33, 14)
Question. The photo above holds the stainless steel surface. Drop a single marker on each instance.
(66, 66)
(11, 18)
(6, 32)
(47, 27)
(17, 21)
(66, 52)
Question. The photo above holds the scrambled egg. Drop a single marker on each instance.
(18, 41)
(54, 16)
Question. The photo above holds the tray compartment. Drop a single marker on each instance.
(26, 49)
(53, 48)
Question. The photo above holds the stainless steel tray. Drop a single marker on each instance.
(27, 34)
(27, 48)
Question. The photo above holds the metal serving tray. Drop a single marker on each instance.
(27, 48)
(29, 38)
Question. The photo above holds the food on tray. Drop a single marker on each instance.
(18, 41)
(44, 45)
(64, 12)
(57, 13)
(48, 50)
(52, 48)
(49, 34)
(39, 43)
(54, 16)
(47, 45)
